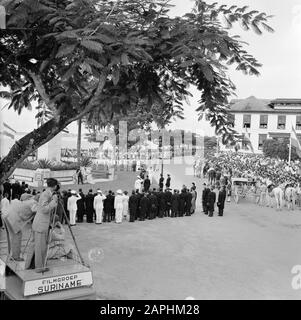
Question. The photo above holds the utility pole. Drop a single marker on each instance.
(79, 140)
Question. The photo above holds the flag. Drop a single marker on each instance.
(295, 142)
(247, 139)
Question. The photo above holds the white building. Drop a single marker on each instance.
(262, 119)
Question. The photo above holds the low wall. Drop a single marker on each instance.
(37, 178)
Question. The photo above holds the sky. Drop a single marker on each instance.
(279, 52)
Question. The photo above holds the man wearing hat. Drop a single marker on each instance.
(16, 218)
(98, 206)
(72, 206)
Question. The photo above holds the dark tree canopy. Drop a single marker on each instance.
(105, 59)
(279, 149)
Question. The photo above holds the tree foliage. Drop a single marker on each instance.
(102, 59)
(279, 149)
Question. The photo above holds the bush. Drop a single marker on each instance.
(44, 164)
(86, 162)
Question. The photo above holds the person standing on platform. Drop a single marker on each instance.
(81, 209)
(118, 206)
(174, 204)
(133, 204)
(48, 201)
(221, 201)
(146, 184)
(211, 201)
(168, 180)
(98, 206)
(72, 206)
(80, 177)
(89, 202)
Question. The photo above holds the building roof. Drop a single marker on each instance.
(255, 105)
(251, 104)
(286, 101)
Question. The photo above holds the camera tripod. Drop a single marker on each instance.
(51, 228)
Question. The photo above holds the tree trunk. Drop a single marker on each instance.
(28, 144)
(79, 137)
(35, 139)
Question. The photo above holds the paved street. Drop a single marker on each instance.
(248, 254)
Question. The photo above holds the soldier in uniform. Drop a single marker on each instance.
(81, 210)
(89, 200)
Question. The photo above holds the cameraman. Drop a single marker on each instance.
(47, 203)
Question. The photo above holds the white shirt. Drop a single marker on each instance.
(138, 184)
(98, 201)
(71, 204)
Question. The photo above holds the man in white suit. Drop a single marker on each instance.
(98, 206)
(72, 206)
(17, 216)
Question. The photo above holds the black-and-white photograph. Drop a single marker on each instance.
(150, 150)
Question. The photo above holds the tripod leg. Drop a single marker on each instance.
(69, 226)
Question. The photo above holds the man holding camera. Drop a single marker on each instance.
(47, 203)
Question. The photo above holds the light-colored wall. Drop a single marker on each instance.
(255, 130)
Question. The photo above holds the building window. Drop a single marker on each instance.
(247, 121)
(263, 122)
(298, 123)
(281, 122)
(261, 140)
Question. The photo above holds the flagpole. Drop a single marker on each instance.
(290, 150)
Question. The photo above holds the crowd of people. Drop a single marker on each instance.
(272, 182)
